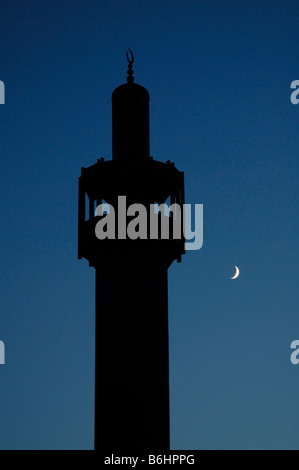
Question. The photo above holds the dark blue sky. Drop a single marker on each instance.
(219, 75)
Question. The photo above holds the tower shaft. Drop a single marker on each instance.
(132, 389)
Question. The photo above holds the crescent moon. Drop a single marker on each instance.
(236, 273)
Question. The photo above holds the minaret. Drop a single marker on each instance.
(132, 366)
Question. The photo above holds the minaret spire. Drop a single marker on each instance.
(130, 78)
(132, 363)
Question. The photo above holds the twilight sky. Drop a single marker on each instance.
(219, 75)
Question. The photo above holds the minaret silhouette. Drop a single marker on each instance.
(132, 360)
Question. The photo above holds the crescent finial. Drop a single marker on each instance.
(130, 78)
(131, 61)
